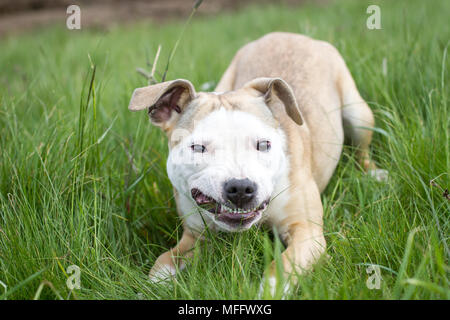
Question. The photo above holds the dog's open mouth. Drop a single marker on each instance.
(224, 213)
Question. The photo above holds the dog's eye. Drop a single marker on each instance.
(198, 148)
(263, 145)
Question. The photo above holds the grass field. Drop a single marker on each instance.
(83, 181)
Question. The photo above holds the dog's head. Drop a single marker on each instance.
(226, 150)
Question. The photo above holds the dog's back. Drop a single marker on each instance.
(320, 80)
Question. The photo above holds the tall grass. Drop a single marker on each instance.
(83, 181)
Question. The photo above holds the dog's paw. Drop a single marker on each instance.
(162, 274)
(271, 288)
(379, 174)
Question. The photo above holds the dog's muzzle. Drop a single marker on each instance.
(238, 210)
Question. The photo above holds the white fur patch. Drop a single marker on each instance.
(379, 174)
(272, 287)
(164, 274)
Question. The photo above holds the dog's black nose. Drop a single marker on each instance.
(240, 192)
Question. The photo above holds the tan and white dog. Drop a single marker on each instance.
(262, 147)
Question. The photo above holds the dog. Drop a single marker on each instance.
(262, 147)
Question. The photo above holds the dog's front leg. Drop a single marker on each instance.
(169, 262)
(302, 232)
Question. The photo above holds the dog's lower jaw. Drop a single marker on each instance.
(219, 225)
(238, 228)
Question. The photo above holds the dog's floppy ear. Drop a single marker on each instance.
(163, 100)
(278, 87)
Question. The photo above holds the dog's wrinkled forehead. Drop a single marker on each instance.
(224, 128)
(208, 105)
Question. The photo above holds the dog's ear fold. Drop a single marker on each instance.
(164, 101)
(271, 87)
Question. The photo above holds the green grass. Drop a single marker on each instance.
(83, 181)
